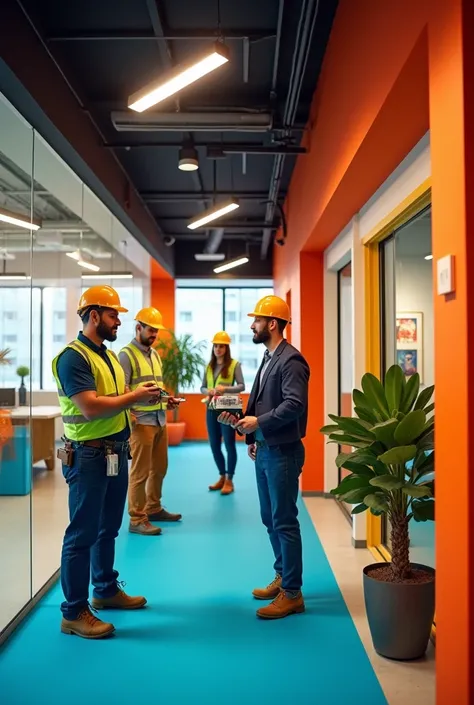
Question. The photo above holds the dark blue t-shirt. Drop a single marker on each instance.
(76, 376)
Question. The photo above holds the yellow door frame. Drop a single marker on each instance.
(413, 204)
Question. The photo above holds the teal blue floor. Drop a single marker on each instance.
(198, 642)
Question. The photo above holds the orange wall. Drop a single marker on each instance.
(393, 70)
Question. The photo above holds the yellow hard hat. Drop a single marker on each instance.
(150, 316)
(272, 307)
(221, 338)
(103, 296)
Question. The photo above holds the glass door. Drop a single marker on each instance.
(345, 357)
(407, 325)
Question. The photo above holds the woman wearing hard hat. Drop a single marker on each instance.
(222, 375)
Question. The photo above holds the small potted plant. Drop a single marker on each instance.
(392, 474)
(182, 362)
(22, 371)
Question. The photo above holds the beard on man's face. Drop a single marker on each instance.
(261, 336)
(106, 332)
(147, 340)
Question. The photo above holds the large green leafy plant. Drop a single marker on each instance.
(182, 362)
(392, 464)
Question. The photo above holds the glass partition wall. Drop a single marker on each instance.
(40, 284)
(406, 275)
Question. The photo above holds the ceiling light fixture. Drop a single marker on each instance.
(109, 275)
(13, 276)
(88, 265)
(209, 257)
(157, 91)
(74, 255)
(22, 221)
(217, 212)
(231, 264)
(429, 257)
(188, 159)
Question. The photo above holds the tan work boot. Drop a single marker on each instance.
(87, 626)
(120, 601)
(270, 592)
(145, 528)
(228, 486)
(282, 606)
(218, 485)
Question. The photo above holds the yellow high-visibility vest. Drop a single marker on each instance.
(76, 426)
(145, 370)
(226, 381)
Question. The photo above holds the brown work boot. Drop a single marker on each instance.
(282, 606)
(218, 485)
(228, 486)
(163, 515)
(270, 592)
(87, 626)
(145, 528)
(120, 601)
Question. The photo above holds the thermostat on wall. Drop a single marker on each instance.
(445, 275)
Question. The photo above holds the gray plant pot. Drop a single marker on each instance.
(400, 616)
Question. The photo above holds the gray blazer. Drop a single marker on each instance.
(281, 402)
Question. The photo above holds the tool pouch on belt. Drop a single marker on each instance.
(66, 454)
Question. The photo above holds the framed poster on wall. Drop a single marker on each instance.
(409, 339)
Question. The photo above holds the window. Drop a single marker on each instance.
(131, 298)
(203, 312)
(19, 308)
(9, 338)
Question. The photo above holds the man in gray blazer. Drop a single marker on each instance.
(274, 425)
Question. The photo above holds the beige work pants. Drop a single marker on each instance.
(149, 449)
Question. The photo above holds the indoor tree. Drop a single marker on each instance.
(392, 464)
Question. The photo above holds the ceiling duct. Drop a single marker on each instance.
(213, 241)
(192, 122)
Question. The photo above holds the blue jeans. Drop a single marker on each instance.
(216, 431)
(96, 507)
(278, 469)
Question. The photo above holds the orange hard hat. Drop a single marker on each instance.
(103, 296)
(221, 338)
(272, 307)
(150, 316)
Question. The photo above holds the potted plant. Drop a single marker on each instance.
(22, 371)
(182, 362)
(392, 471)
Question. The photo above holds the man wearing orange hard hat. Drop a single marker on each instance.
(149, 440)
(95, 411)
(275, 424)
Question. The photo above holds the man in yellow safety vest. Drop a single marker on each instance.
(149, 439)
(95, 412)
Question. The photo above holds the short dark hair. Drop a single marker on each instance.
(85, 314)
(280, 323)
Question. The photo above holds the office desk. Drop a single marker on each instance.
(42, 430)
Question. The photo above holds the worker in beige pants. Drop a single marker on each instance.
(149, 438)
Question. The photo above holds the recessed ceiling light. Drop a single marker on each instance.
(429, 257)
(159, 90)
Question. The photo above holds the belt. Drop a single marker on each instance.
(116, 446)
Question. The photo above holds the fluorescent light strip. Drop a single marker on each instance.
(13, 277)
(428, 257)
(213, 215)
(88, 265)
(209, 257)
(109, 275)
(231, 265)
(74, 255)
(156, 92)
(15, 219)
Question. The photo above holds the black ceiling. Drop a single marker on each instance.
(108, 50)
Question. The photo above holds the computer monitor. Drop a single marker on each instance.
(7, 398)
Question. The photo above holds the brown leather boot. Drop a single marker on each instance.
(269, 592)
(120, 601)
(282, 606)
(87, 626)
(218, 485)
(228, 486)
